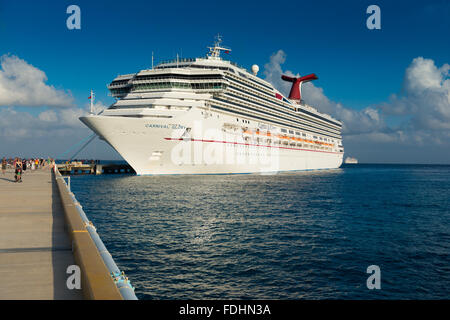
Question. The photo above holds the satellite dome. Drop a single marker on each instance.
(255, 69)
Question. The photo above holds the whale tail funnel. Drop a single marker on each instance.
(296, 89)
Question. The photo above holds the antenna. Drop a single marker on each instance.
(152, 60)
(218, 38)
(214, 52)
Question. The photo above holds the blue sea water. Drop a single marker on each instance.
(304, 235)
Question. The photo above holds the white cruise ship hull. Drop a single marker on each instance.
(157, 146)
(210, 116)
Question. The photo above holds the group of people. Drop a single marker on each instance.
(21, 165)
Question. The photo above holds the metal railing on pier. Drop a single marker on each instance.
(90, 253)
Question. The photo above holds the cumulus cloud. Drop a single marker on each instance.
(22, 84)
(425, 98)
(273, 72)
(16, 124)
(421, 110)
(52, 132)
(52, 126)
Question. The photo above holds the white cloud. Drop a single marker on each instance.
(20, 124)
(425, 100)
(48, 116)
(69, 117)
(48, 132)
(273, 72)
(22, 84)
(423, 74)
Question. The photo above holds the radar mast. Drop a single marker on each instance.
(214, 52)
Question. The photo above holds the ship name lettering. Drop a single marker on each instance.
(164, 126)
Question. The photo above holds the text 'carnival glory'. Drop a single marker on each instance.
(210, 116)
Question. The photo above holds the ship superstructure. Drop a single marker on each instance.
(209, 115)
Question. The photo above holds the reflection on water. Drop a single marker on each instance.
(308, 235)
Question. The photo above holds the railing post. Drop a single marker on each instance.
(68, 182)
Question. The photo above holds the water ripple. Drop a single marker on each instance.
(289, 236)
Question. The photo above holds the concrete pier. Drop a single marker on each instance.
(41, 234)
(35, 249)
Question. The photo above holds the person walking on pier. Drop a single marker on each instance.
(4, 166)
(18, 170)
(24, 165)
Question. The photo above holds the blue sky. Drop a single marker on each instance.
(357, 68)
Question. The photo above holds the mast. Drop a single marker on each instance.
(214, 52)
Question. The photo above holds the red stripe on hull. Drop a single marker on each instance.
(247, 144)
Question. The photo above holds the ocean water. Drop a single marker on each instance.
(304, 235)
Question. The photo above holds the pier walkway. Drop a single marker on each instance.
(35, 249)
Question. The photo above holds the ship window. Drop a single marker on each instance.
(291, 132)
(283, 130)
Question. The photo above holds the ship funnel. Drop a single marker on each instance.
(296, 89)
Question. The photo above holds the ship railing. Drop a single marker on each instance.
(177, 60)
(312, 109)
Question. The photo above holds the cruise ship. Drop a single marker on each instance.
(210, 116)
(350, 160)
